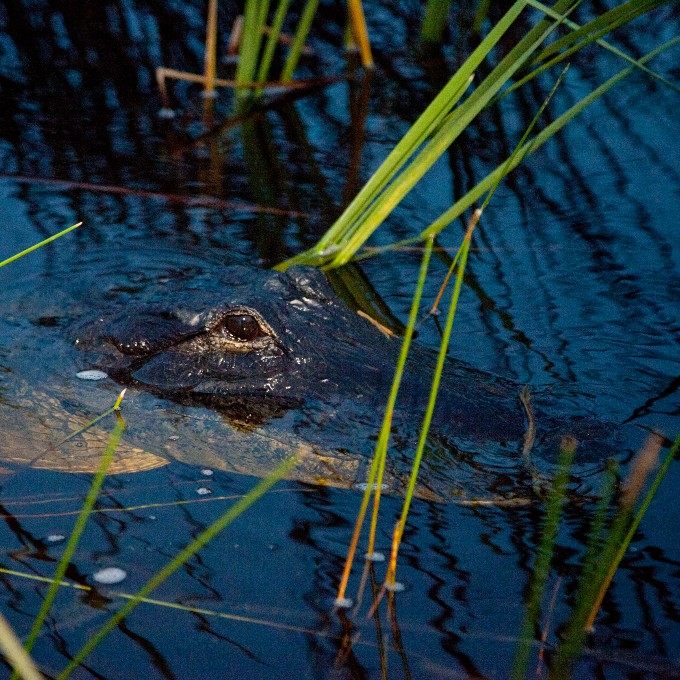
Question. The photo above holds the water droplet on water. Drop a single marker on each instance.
(395, 587)
(110, 575)
(375, 557)
(343, 602)
(203, 491)
(55, 538)
(362, 486)
(207, 473)
(91, 375)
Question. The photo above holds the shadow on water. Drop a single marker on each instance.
(572, 285)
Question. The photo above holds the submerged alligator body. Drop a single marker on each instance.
(240, 369)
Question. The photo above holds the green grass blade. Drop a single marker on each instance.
(452, 127)
(435, 17)
(88, 504)
(527, 149)
(603, 24)
(254, 17)
(427, 420)
(595, 536)
(204, 537)
(621, 551)
(378, 463)
(299, 40)
(568, 52)
(508, 164)
(381, 448)
(429, 121)
(39, 245)
(544, 555)
(272, 40)
(595, 582)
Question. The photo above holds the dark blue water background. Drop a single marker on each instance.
(573, 280)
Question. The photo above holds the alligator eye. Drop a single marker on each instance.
(243, 327)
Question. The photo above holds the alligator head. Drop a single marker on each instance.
(261, 338)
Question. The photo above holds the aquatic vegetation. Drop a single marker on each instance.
(321, 527)
(35, 247)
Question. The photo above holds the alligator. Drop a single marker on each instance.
(238, 369)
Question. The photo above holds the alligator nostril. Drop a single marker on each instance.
(131, 348)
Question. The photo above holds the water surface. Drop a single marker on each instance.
(572, 284)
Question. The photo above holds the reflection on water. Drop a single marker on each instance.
(572, 283)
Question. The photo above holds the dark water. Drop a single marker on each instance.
(573, 282)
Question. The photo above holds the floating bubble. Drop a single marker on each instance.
(395, 587)
(362, 486)
(110, 575)
(374, 557)
(343, 602)
(207, 473)
(91, 375)
(203, 491)
(55, 538)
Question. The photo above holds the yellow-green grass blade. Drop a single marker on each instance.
(39, 245)
(598, 572)
(383, 440)
(528, 148)
(299, 40)
(12, 650)
(199, 542)
(378, 463)
(427, 420)
(544, 555)
(451, 128)
(85, 511)
(620, 552)
(272, 40)
(601, 25)
(574, 48)
(251, 41)
(508, 165)
(429, 121)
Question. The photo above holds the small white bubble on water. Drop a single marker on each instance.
(207, 473)
(362, 486)
(343, 602)
(375, 557)
(173, 437)
(203, 491)
(55, 538)
(166, 113)
(91, 375)
(395, 587)
(110, 575)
